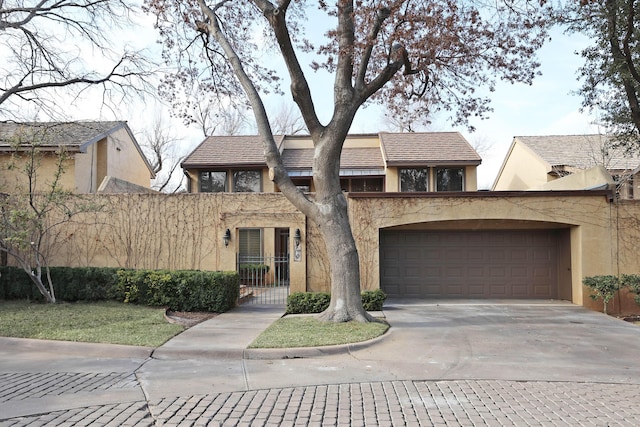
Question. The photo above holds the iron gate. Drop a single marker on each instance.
(263, 279)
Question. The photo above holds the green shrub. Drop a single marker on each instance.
(317, 302)
(373, 300)
(307, 302)
(70, 284)
(602, 287)
(631, 282)
(182, 290)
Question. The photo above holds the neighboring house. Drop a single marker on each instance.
(100, 154)
(384, 162)
(539, 162)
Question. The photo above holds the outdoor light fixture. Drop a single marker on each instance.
(297, 237)
(226, 237)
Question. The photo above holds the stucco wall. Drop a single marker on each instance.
(124, 161)
(522, 170)
(15, 179)
(185, 231)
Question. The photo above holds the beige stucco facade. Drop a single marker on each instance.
(116, 155)
(523, 171)
(185, 232)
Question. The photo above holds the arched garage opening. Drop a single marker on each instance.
(476, 260)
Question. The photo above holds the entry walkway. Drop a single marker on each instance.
(440, 364)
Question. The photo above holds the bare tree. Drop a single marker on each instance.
(287, 121)
(160, 145)
(45, 44)
(431, 52)
(37, 205)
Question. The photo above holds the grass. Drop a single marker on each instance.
(307, 331)
(101, 322)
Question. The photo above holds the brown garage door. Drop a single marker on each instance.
(469, 264)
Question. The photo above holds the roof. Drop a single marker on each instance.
(74, 136)
(218, 151)
(396, 149)
(433, 148)
(579, 151)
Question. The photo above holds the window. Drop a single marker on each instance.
(213, 182)
(250, 248)
(450, 179)
(414, 180)
(362, 184)
(247, 181)
(303, 184)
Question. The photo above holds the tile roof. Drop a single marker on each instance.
(579, 151)
(73, 135)
(399, 149)
(214, 151)
(405, 149)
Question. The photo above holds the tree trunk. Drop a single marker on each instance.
(344, 264)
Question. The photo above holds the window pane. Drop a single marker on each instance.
(373, 184)
(247, 182)
(250, 250)
(213, 182)
(450, 179)
(357, 185)
(414, 179)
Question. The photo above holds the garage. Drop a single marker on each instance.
(472, 264)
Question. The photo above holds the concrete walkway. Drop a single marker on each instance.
(450, 363)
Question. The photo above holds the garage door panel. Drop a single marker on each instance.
(469, 264)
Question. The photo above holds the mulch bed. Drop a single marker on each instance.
(187, 318)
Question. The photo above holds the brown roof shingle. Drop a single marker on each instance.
(397, 149)
(405, 149)
(73, 135)
(222, 151)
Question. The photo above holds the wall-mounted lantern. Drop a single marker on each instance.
(227, 237)
(297, 237)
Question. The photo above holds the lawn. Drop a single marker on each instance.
(306, 331)
(102, 322)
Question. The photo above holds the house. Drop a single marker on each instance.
(383, 162)
(543, 162)
(102, 156)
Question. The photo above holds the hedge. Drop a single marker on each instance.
(317, 302)
(184, 290)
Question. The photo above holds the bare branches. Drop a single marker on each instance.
(50, 44)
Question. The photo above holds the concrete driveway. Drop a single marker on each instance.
(442, 363)
(510, 340)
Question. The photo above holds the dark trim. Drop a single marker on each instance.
(488, 194)
(431, 163)
(226, 166)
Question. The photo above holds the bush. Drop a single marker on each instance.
(182, 290)
(632, 282)
(307, 302)
(70, 284)
(373, 300)
(603, 287)
(317, 302)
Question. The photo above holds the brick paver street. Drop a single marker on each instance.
(389, 403)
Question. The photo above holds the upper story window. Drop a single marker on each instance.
(213, 182)
(247, 181)
(412, 180)
(450, 179)
(362, 184)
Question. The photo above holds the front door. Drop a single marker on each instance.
(282, 257)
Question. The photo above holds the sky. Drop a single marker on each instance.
(547, 107)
